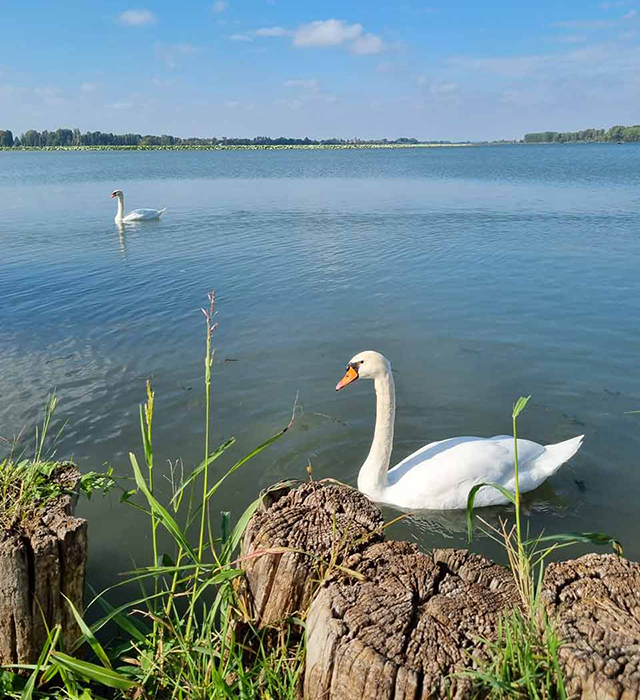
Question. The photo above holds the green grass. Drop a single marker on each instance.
(522, 659)
(27, 484)
(185, 636)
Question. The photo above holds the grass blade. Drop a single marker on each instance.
(92, 672)
(471, 498)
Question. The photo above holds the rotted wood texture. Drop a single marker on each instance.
(596, 602)
(312, 527)
(38, 564)
(407, 625)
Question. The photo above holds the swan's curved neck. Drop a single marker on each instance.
(120, 212)
(372, 479)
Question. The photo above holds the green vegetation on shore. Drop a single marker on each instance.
(614, 134)
(74, 139)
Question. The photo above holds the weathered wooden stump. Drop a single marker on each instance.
(402, 633)
(39, 562)
(596, 602)
(318, 522)
(407, 625)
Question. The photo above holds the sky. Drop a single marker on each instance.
(360, 68)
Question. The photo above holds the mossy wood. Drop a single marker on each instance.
(40, 561)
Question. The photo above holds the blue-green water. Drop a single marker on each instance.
(482, 273)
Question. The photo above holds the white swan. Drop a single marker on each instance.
(440, 475)
(136, 214)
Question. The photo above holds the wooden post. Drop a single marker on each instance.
(38, 564)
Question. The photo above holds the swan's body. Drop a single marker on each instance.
(136, 214)
(440, 475)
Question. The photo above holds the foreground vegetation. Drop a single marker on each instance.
(187, 635)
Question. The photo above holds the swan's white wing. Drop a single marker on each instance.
(142, 214)
(441, 474)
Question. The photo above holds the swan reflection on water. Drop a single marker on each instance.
(452, 524)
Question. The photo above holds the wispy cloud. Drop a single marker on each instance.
(328, 32)
(137, 18)
(272, 31)
(120, 105)
(325, 33)
(240, 37)
(219, 6)
(305, 84)
(585, 24)
(237, 104)
(630, 15)
(367, 44)
(612, 4)
(571, 38)
(171, 54)
(88, 87)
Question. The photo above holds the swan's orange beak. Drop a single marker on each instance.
(350, 376)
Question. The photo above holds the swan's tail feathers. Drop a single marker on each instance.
(161, 211)
(554, 456)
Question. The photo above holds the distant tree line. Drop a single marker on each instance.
(73, 137)
(615, 133)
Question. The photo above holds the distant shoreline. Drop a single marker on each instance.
(249, 147)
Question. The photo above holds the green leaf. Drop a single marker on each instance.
(87, 635)
(238, 531)
(597, 538)
(471, 500)
(177, 496)
(52, 638)
(92, 672)
(163, 515)
(133, 629)
(519, 405)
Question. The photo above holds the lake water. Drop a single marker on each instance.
(482, 273)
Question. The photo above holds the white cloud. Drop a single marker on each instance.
(219, 6)
(367, 44)
(272, 31)
(48, 91)
(306, 84)
(240, 37)
(171, 54)
(291, 104)
(615, 3)
(88, 87)
(120, 105)
(236, 104)
(183, 48)
(328, 32)
(137, 18)
(585, 24)
(443, 88)
(571, 38)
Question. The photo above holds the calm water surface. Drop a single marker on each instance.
(482, 273)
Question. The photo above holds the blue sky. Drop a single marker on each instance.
(437, 70)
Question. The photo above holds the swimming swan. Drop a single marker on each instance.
(440, 475)
(136, 214)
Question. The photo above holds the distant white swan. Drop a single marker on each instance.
(440, 475)
(136, 214)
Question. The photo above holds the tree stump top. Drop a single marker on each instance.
(416, 619)
(596, 601)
